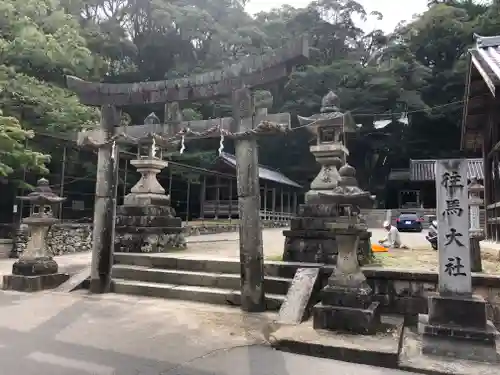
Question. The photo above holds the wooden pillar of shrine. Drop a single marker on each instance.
(203, 195)
(265, 202)
(217, 196)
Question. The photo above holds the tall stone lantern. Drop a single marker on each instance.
(146, 222)
(36, 269)
(476, 233)
(310, 238)
(328, 127)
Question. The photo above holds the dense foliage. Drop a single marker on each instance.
(419, 69)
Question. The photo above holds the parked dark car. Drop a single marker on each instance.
(409, 221)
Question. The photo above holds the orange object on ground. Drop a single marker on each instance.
(376, 248)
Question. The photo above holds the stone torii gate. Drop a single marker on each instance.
(235, 81)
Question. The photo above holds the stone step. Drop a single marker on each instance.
(272, 284)
(189, 293)
(211, 265)
(155, 260)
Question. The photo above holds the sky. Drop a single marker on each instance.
(393, 10)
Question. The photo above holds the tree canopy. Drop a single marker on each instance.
(418, 69)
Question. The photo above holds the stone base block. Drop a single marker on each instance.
(146, 199)
(346, 297)
(380, 349)
(144, 242)
(319, 246)
(147, 210)
(148, 221)
(37, 283)
(487, 335)
(35, 266)
(318, 210)
(449, 357)
(347, 319)
(460, 311)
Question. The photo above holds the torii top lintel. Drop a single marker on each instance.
(253, 71)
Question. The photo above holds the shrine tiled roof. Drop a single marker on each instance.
(425, 170)
(485, 57)
(265, 173)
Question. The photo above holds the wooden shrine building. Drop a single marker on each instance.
(480, 123)
(415, 187)
(218, 198)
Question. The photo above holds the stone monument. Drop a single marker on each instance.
(146, 221)
(36, 269)
(457, 324)
(346, 301)
(310, 238)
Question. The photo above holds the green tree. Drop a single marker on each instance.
(39, 44)
(13, 151)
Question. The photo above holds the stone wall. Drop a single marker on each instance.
(405, 292)
(200, 228)
(68, 238)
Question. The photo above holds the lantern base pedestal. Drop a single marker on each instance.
(21, 283)
(35, 266)
(311, 240)
(148, 229)
(34, 274)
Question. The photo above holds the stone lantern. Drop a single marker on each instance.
(310, 238)
(476, 234)
(328, 127)
(146, 221)
(149, 163)
(346, 301)
(36, 269)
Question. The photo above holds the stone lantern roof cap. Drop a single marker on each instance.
(42, 194)
(151, 119)
(330, 102)
(475, 186)
(330, 115)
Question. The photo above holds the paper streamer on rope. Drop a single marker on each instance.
(183, 146)
(113, 150)
(154, 149)
(221, 144)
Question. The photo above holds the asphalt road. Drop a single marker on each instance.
(62, 334)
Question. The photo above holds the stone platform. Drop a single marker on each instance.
(148, 229)
(311, 240)
(413, 358)
(381, 349)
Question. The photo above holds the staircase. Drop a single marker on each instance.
(193, 278)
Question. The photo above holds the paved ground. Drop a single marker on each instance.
(222, 244)
(61, 334)
(226, 244)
